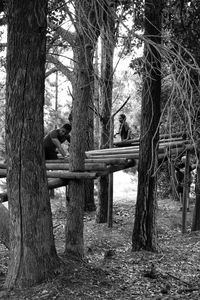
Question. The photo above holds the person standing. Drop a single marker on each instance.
(53, 141)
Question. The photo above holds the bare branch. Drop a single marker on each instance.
(48, 73)
(60, 66)
(114, 114)
(65, 34)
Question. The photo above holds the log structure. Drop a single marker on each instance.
(104, 161)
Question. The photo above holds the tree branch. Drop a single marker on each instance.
(51, 71)
(60, 66)
(121, 106)
(65, 34)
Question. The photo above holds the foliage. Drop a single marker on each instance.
(56, 15)
(125, 85)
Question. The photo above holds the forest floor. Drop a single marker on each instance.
(110, 269)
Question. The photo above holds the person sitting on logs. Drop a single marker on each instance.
(53, 141)
(124, 128)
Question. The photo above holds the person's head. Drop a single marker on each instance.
(122, 118)
(65, 129)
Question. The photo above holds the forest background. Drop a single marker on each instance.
(170, 58)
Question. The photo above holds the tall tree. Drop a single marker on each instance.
(108, 40)
(33, 255)
(69, 40)
(144, 232)
(87, 23)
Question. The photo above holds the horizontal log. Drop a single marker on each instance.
(96, 164)
(137, 141)
(133, 149)
(172, 135)
(112, 151)
(3, 173)
(100, 160)
(127, 143)
(65, 166)
(116, 156)
(128, 165)
(71, 175)
(56, 183)
(173, 143)
(57, 161)
(52, 184)
(125, 151)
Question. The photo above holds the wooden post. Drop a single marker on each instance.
(110, 181)
(186, 191)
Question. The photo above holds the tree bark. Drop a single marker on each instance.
(89, 184)
(108, 45)
(33, 255)
(144, 232)
(83, 71)
(196, 213)
(4, 225)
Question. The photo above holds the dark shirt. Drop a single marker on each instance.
(123, 130)
(50, 147)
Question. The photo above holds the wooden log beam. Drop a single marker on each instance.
(65, 166)
(57, 161)
(125, 151)
(91, 164)
(127, 143)
(52, 184)
(96, 160)
(172, 135)
(134, 149)
(3, 173)
(112, 151)
(116, 156)
(121, 149)
(116, 168)
(71, 175)
(136, 141)
(173, 143)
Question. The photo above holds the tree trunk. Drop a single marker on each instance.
(83, 71)
(196, 213)
(89, 184)
(144, 232)
(108, 45)
(33, 255)
(4, 225)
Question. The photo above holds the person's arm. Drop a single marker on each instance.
(59, 146)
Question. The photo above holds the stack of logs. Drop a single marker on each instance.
(104, 161)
